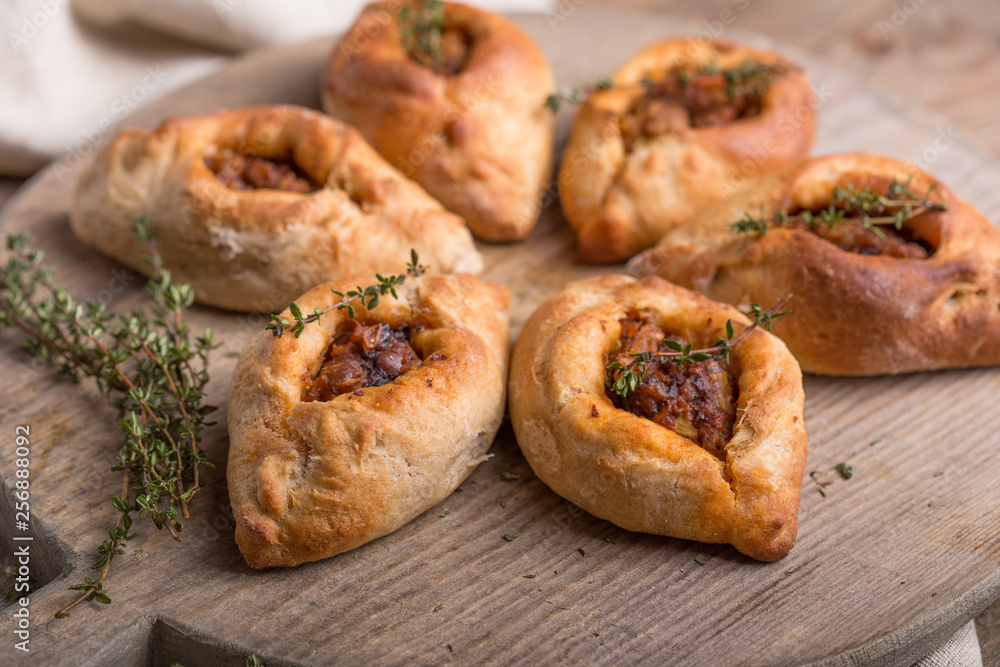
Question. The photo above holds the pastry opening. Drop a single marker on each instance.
(430, 41)
(456, 46)
(874, 217)
(359, 193)
(694, 400)
(247, 171)
(688, 96)
(961, 294)
(361, 356)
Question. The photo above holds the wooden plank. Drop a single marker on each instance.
(627, 596)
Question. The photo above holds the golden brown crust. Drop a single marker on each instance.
(620, 203)
(480, 141)
(851, 314)
(309, 480)
(258, 249)
(634, 472)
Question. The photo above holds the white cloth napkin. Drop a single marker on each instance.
(72, 70)
(961, 650)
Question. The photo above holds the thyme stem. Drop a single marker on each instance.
(148, 368)
(625, 378)
(420, 30)
(368, 296)
(96, 587)
(745, 79)
(863, 208)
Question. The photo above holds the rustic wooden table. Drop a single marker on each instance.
(919, 53)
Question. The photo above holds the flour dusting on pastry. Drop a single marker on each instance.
(467, 121)
(352, 429)
(730, 477)
(284, 194)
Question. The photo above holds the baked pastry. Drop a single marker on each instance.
(466, 120)
(252, 207)
(740, 485)
(921, 297)
(686, 124)
(350, 431)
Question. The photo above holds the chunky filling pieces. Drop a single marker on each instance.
(687, 97)
(696, 401)
(454, 51)
(363, 356)
(241, 171)
(888, 242)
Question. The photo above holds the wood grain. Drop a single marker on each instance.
(881, 574)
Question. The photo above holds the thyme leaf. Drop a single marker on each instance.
(865, 208)
(747, 78)
(420, 28)
(147, 364)
(623, 379)
(366, 296)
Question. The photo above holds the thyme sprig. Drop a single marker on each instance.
(578, 92)
(148, 367)
(747, 78)
(862, 207)
(622, 378)
(420, 28)
(368, 296)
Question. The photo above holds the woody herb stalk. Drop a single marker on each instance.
(861, 207)
(420, 27)
(151, 369)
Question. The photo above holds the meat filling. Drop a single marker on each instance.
(241, 171)
(446, 51)
(363, 356)
(454, 51)
(892, 242)
(696, 401)
(695, 98)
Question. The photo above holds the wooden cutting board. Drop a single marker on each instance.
(887, 565)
